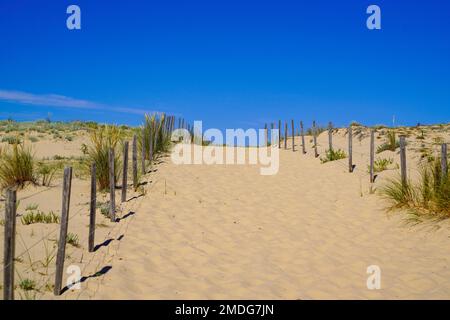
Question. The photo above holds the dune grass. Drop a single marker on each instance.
(154, 132)
(103, 138)
(429, 196)
(16, 166)
(332, 155)
(391, 143)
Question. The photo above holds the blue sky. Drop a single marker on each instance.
(229, 63)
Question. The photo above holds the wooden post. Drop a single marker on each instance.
(293, 141)
(314, 132)
(266, 135)
(350, 149)
(67, 186)
(125, 172)
(271, 134)
(92, 208)
(143, 152)
(302, 133)
(112, 187)
(285, 135)
(9, 245)
(372, 155)
(444, 164)
(279, 134)
(135, 166)
(330, 136)
(403, 160)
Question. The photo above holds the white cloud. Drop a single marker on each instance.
(55, 100)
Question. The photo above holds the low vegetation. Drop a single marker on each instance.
(428, 196)
(332, 155)
(391, 143)
(381, 164)
(16, 166)
(37, 216)
(104, 138)
(72, 239)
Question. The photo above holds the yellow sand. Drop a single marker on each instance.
(226, 232)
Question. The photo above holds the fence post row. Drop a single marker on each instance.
(350, 149)
(125, 172)
(112, 187)
(9, 245)
(444, 164)
(92, 208)
(67, 186)
(403, 160)
(372, 155)
(293, 142)
(302, 133)
(314, 133)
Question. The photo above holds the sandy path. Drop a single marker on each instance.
(226, 232)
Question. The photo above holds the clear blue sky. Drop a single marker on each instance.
(229, 63)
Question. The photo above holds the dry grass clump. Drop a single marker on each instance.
(428, 196)
(103, 138)
(16, 166)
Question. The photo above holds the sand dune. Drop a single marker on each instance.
(226, 232)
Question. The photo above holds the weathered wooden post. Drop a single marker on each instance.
(271, 133)
(143, 152)
(135, 166)
(372, 155)
(293, 134)
(125, 172)
(92, 208)
(112, 187)
(403, 161)
(302, 133)
(266, 135)
(314, 133)
(330, 136)
(444, 164)
(350, 149)
(9, 245)
(279, 134)
(67, 186)
(285, 135)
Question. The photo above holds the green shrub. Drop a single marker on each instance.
(332, 155)
(382, 164)
(39, 217)
(27, 285)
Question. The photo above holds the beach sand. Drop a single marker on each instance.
(227, 232)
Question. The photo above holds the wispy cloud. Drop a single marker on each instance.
(55, 100)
